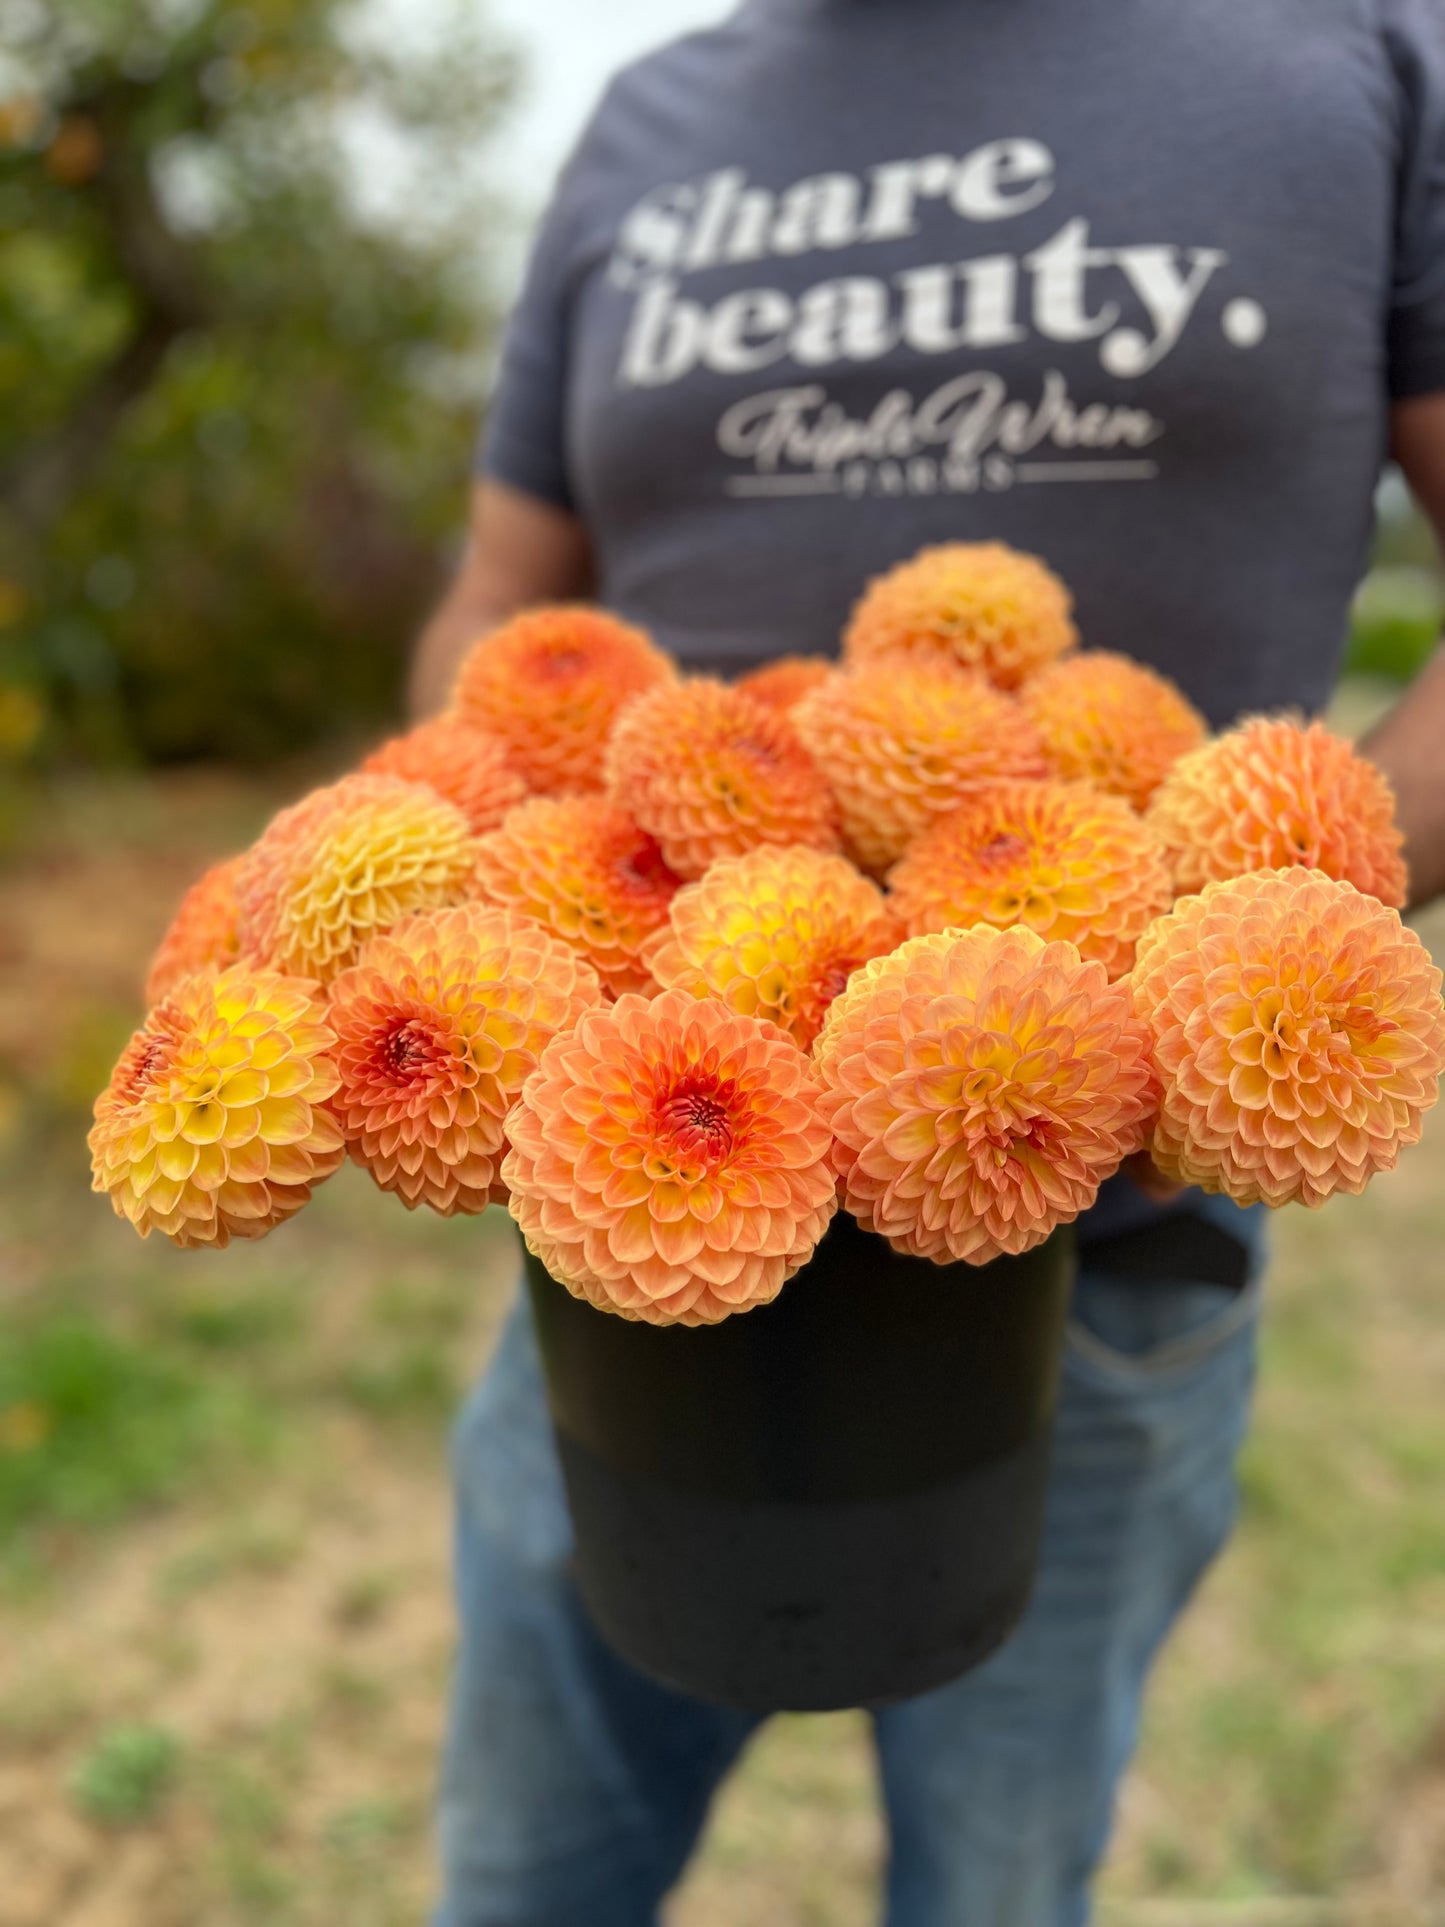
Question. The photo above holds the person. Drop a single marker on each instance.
(1147, 291)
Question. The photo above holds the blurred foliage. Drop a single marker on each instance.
(237, 393)
(126, 1775)
(1396, 621)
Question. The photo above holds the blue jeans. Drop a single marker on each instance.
(574, 1788)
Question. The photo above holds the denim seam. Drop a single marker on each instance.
(1178, 1353)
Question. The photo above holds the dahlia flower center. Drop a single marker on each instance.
(1004, 850)
(755, 751)
(132, 1087)
(643, 869)
(562, 663)
(695, 1122)
(409, 1052)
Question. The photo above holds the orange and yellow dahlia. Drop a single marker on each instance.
(1298, 1035)
(467, 766)
(712, 772)
(902, 743)
(585, 871)
(780, 684)
(1067, 861)
(1112, 722)
(981, 605)
(204, 934)
(669, 1160)
(438, 1026)
(343, 864)
(550, 684)
(1275, 792)
(981, 1085)
(214, 1124)
(776, 934)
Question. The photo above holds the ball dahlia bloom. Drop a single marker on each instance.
(1275, 792)
(550, 684)
(901, 743)
(584, 870)
(204, 934)
(981, 605)
(669, 1160)
(780, 684)
(1066, 861)
(981, 1085)
(347, 862)
(1298, 1034)
(776, 934)
(1112, 722)
(711, 772)
(438, 1026)
(467, 766)
(214, 1124)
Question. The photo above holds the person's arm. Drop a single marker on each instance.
(1409, 743)
(520, 551)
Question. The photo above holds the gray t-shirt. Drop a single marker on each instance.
(1128, 283)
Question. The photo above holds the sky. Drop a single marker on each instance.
(571, 47)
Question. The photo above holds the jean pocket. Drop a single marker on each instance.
(1144, 1329)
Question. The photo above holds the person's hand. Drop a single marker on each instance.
(1145, 1173)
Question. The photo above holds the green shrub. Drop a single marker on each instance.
(126, 1776)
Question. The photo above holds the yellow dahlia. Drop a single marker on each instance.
(775, 934)
(1298, 1035)
(1067, 861)
(902, 743)
(981, 1085)
(1275, 792)
(982, 605)
(438, 1026)
(345, 863)
(214, 1124)
(711, 772)
(550, 683)
(1112, 722)
(203, 934)
(780, 684)
(587, 872)
(467, 766)
(669, 1161)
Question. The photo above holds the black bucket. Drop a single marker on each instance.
(834, 1500)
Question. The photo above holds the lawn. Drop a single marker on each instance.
(224, 1623)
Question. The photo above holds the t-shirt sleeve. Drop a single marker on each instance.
(523, 438)
(1415, 42)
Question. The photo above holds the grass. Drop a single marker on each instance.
(224, 1616)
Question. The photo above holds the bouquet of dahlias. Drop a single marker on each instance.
(941, 935)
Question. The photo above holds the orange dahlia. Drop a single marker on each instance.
(203, 934)
(1112, 722)
(781, 683)
(1067, 861)
(981, 1084)
(587, 872)
(982, 605)
(1298, 1035)
(438, 1026)
(901, 743)
(467, 766)
(669, 1161)
(775, 934)
(214, 1124)
(711, 772)
(550, 683)
(344, 863)
(1275, 792)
